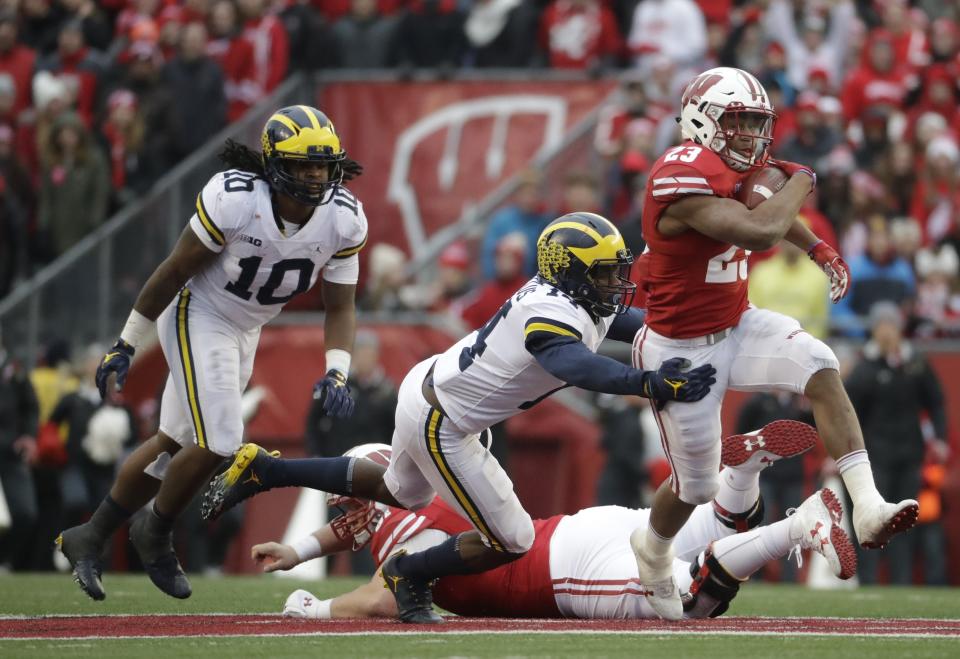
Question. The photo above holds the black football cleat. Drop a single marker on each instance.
(158, 558)
(83, 549)
(414, 597)
(240, 481)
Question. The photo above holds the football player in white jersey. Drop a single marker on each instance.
(262, 232)
(544, 338)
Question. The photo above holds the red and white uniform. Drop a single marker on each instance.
(697, 308)
(695, 285)
(580, 566)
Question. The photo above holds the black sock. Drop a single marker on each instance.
(159, 523)
(440, 561)
(333, 475)
(108, 517)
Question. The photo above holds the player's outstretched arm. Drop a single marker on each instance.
(730, 221)
(572, 362)
(189, 256)
(274, 556)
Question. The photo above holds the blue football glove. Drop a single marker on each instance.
(117, 360)
(334, 395)
(675, 381)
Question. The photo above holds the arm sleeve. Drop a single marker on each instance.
(626, 326)
(210, 213)
(342, 271)
(675, 181)
(569, 360)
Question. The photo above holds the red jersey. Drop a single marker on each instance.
(522, 588)
(695, 285)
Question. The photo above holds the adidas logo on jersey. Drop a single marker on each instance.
(250, 239)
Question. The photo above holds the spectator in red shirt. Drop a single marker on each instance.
(17, 60)
(936, 197)
(909, 41)
(79, 66)
(271, 54)
(880, 80)
(938, 95)
(132, 170)
(579, 34)
(509, 276)
(944, 42)
(235, 56)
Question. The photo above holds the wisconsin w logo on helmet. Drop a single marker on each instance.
(300, 133)
(583, 255)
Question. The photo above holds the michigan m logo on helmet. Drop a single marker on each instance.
(300, 133)
(583, 255)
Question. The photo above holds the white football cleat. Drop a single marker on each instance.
(757, 450)
(657, 580)
(816, 526)
(876, 523)
(301, 604)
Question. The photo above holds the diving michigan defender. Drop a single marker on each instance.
(543, 338)
(261, 234)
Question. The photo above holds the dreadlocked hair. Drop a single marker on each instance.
(239, 156)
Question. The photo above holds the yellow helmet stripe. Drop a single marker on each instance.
(286, 121)
(590, 231)
(307, 110)
(606, 249)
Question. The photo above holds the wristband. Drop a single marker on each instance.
(339, 360)
(136, 329)
(814, 245)
(307, 547)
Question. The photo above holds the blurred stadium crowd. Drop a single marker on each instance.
(97, 99)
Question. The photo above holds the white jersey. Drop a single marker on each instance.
(489, 375)
(260, 268)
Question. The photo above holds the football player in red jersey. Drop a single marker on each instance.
(695, 272)
(581, 565)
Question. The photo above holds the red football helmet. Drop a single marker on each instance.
(360, 517)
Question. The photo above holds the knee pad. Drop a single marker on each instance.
(700, 490)
(712, 589)
(520, 539)
(158, 468)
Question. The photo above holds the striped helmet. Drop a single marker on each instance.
(728, 111)
(583, 255)
(300, 133)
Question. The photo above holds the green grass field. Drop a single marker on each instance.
(56, 594)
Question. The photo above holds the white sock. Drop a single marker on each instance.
(739, 489)
(857, 476)
(744, 553)
(655, 545)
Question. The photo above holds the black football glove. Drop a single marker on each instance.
(674, 382)
(117, 360)
(334, 395)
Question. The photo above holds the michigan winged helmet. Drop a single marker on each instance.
(300, 133)
(583, 254)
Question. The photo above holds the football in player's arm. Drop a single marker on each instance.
(262, 232)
